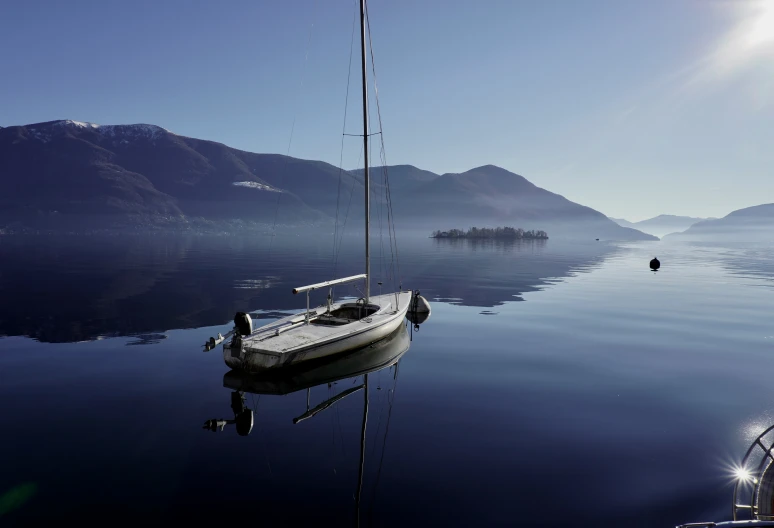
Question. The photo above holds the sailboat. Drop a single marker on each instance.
(383, 354)
(336, 327)
(377, 356)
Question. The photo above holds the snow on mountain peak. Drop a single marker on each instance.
(78, 124)
(139, 130)
(43, 131)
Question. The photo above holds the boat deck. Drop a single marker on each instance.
(292, 339)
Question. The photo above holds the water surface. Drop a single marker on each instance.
(554, 381)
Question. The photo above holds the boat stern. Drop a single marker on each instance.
(237, 357)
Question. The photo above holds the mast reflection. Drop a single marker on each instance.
(378, 356)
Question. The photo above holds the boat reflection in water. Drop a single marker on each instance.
(417, 318)
(377, 356)
(753, 499)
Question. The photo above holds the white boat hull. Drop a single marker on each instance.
(291, 340)
(376, 356)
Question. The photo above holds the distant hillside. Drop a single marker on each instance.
(749, 223)
(402, 177)
(623, 223)
(70, 174)
(489, 196)
(660, 225)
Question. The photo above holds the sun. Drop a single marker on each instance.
(761, 29)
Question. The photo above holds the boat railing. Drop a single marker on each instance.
(327, 284)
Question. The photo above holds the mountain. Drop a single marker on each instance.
(623, 223)
(661, 225)
(68, 172)
(748, 223)
(401, 177)
(491, 196)
(71, 174)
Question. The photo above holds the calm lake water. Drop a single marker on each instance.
(554, 382)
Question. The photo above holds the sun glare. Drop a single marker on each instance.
(742, 474)
(761, 29)
(745, 46)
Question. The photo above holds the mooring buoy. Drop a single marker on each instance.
(655, 264)
(419, 310)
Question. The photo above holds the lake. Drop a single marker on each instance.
(555, 381)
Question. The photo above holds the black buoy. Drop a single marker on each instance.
(655, 264)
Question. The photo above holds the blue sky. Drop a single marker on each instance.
(634, 108)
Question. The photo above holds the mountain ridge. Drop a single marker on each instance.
(748, 221)
(660, 225)
(58, 171)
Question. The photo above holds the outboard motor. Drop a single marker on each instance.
(215, 425)
(244, 422)
(243, 417)
(243, 323)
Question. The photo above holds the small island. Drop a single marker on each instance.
(487, 232)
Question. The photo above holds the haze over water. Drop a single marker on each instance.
(554, 381)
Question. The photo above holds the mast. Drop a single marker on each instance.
(365, 152)
(362, 448)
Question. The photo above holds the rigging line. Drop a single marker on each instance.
(349, 205)
(385, 179)
(292, 130)
(394, 260)
(378, 204)
(361, 135)
(382, 208)
(380, 212)
(343, 128)
(381, 412)
(248, 447)
(378, 208)
(256, 403)
(266, 457)
(390, 213)
(333, 437)
(386, 187)
(362, 448)
(390, 270)
(384, 442)
(381, 240)
(341, 433)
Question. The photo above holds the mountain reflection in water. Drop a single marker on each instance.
(78, 288)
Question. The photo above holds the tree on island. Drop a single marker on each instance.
(487, 232)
